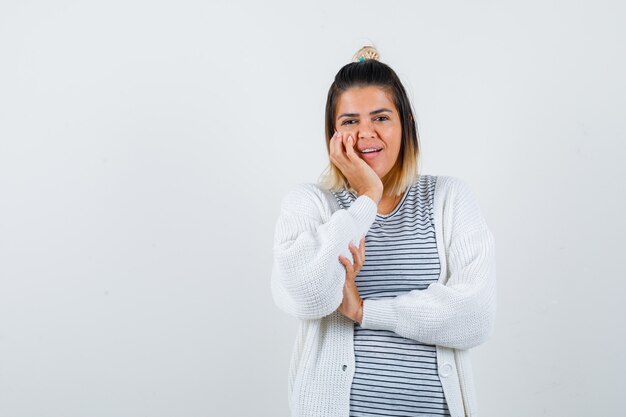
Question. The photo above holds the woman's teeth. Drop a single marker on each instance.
(370, 150)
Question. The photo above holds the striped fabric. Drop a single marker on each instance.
(396, 376)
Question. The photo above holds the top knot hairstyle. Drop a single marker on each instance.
(366, 70)
(367, 52)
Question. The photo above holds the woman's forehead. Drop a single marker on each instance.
(364, 98)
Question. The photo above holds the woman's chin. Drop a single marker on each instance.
(377, 169)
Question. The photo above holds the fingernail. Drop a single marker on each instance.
(349, 139)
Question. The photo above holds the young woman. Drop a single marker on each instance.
(391, 272)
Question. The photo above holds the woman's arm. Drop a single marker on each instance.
(460, 314)
(307, 277)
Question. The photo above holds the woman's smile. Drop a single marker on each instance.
(370, 155)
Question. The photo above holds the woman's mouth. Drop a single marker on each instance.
(370, 153)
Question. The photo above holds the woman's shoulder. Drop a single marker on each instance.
(456, 203)
(445, 181)
(450, 186)
(306, 198)
(310, 190)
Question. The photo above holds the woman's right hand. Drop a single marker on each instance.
(359, 174)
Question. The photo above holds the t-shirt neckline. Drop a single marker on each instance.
(394, 211)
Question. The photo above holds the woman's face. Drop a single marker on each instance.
(370, 116)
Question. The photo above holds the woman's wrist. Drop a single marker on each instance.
(375, 196)
(359, 314)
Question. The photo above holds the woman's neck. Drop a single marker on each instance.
(388, 203)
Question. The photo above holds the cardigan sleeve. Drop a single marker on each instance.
(307, 277)
(460, 313)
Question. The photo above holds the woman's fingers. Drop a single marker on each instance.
(335, 146)
(362, 249)
(331, 148)
(347, 264)
(351, 154)
(343, 155)
(337, 149)
(356, 254)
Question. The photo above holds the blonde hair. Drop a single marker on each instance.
(367, 70)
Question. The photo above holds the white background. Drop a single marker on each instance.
(145, 146)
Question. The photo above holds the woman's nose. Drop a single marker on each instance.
(366, 133)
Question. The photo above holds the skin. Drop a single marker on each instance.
(360, 123)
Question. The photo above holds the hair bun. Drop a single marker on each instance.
(365, 53)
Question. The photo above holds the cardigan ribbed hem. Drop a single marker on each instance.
(379, 314)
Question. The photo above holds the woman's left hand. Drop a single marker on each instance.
(351, 305)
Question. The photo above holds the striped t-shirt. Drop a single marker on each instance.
(396, 376)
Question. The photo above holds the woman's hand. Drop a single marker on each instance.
(351, 305)
(359, 174)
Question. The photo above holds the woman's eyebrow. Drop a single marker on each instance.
(371, 113)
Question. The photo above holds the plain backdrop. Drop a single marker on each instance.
(145, 147)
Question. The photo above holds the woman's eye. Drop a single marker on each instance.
(349, 122)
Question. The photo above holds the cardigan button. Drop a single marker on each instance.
(344, 367)
(445, 370)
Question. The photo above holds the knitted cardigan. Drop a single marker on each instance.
(455, 314)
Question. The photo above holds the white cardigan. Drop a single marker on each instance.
(456, 313)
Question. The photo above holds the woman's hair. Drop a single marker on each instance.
(368, 71)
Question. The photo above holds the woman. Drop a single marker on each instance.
(391, 273)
